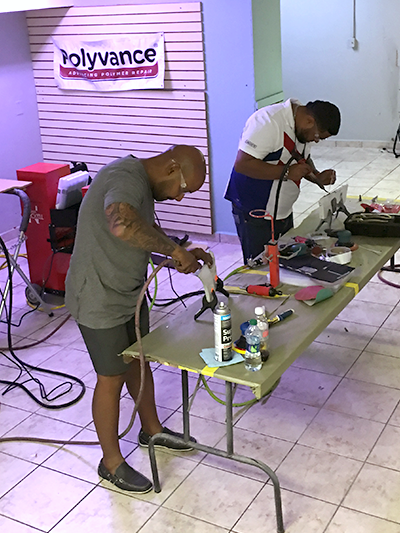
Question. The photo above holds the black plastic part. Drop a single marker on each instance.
(375, 227)
(63, 228)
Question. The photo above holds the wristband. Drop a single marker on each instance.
(286, 174)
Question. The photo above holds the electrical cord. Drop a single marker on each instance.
(169, 301)
(142, 376)
(4, 265)
(25, 367)
(153, 299)
(380, 276)
(242, 404)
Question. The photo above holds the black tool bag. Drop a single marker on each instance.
(374, 224)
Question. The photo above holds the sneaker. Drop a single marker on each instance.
(144, 439)
(126, 478)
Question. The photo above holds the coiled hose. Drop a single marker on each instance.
(142, 376)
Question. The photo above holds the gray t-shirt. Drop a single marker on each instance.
(106, 274)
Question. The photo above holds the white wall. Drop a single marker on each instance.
(318, 62)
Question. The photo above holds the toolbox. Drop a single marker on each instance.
(374, 224)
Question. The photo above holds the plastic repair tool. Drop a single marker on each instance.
(263, 290)
(272, 248)
(211, 283)
(311, 176)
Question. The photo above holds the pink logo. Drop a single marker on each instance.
(110, 73)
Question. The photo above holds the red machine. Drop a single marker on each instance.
(44, 265)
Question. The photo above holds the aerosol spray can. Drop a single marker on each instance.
(223, 332)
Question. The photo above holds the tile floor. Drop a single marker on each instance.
(330, 429)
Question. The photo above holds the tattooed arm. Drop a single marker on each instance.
(128, 225)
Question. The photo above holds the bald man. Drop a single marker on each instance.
(115, 235)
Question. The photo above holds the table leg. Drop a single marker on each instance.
(185, 405)
(215, 451)
(393, 267)
(229, 417)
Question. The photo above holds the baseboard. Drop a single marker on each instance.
(380, 145)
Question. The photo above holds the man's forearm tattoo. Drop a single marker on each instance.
(127, 224)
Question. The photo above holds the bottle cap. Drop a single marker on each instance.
(253, 322)
(259, 310)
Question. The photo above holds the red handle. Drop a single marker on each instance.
(260, 290)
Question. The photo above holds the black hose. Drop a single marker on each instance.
(142, 377)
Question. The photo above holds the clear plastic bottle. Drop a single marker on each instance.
(263, 326)
(252, 356)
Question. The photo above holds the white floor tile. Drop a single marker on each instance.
(52, 496)
(278, 418)
(305, 386)
(376, 492)
(346, 520)
(169, 521)
(366, 400)
(319, 474)
(300, 513)
(11, 526)
(107, 511)
(327, 358)
(343, 434)
(220, 499)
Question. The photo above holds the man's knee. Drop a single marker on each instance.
(111, 383)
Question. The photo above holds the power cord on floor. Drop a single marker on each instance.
(25, 367)
(380, 276)
(142, 376)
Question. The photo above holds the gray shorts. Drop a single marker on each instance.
(105, 345)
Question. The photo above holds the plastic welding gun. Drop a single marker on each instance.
(211, 283)
(208, 276)
(263, 290)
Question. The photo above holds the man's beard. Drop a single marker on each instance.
(300, 137)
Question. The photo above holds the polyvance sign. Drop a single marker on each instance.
(118, 64)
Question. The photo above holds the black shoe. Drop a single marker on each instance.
(144, 438)
(126, 478)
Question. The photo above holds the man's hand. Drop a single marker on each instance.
(199, 253)
(327, 177)
(298, 171)
(184, 261)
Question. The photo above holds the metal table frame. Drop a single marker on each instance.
(228, 454)
(168, 345)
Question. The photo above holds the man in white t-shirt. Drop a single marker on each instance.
(275, 144)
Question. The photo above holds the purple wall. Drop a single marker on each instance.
(20, 143)
(230, 95)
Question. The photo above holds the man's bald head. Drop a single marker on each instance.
(192, 163)
(178, 170)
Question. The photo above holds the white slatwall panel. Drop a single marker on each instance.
(99, 127)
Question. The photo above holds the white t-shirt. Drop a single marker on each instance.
(267, 131)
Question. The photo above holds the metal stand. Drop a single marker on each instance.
(26, 212)
(205, 304)
(392, 267)
(337, 207)
(229, 454)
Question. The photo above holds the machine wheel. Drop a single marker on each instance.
(31, 297)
